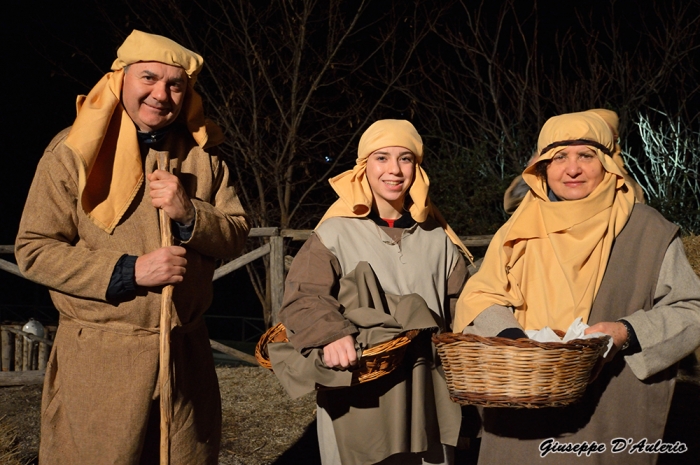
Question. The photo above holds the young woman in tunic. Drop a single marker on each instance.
(384, 218)
(579, 246)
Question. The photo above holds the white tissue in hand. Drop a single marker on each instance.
(575, 331)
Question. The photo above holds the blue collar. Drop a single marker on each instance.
(153, 137)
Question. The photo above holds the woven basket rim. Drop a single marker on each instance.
(574, 344)
(261, 354)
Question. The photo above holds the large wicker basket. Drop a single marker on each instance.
(500, 372)
(375, 362)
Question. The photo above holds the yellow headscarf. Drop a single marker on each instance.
(104, 137)
(613, 121)
(355, 193)
(548, 260)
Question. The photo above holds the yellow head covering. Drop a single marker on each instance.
(103, 137)
(613, 121)
(141, 46)
(353, 188)
(548, 260)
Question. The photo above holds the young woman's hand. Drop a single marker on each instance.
(340, 353)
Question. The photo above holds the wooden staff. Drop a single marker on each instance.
(166, 304)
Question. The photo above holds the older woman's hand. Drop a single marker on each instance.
(618, 332)
(340, 353)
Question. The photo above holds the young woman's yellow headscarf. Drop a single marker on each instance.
(548, 260)
(104, 137)
(355, 193)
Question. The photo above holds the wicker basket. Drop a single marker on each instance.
(375, 362)
(500, 372)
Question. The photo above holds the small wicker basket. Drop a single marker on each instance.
(375, 362)
(500, 372)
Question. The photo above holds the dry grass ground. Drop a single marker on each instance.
(9, 445)
(261, 424)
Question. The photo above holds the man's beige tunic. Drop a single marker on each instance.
(101, 379)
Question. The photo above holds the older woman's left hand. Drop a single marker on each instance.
(614, 329)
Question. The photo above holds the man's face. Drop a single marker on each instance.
(153, 94)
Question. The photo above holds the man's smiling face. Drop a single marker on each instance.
(153, 94)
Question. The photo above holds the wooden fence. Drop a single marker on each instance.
(38, 348)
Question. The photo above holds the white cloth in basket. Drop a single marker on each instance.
(575, 331)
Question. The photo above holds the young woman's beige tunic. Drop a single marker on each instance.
(405, 416)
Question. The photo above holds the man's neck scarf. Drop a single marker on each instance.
(103, 136)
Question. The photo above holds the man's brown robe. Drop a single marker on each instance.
(101, 379)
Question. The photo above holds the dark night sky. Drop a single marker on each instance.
(42, 102)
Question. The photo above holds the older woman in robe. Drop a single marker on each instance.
(579, 246)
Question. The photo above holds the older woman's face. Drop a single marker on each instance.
(390, 172)
(574, 172)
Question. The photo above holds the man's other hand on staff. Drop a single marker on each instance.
(167, 193)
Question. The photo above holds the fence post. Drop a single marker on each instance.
(26, 361)
(7, 349)
(44, 350)
(19, 352)
(276, 276)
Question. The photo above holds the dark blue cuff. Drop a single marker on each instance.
(122, 284)
(634, 345)
(182, 232)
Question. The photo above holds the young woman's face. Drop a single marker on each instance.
(390, 172)
(574, 172)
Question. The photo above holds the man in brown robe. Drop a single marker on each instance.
(90, 233)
